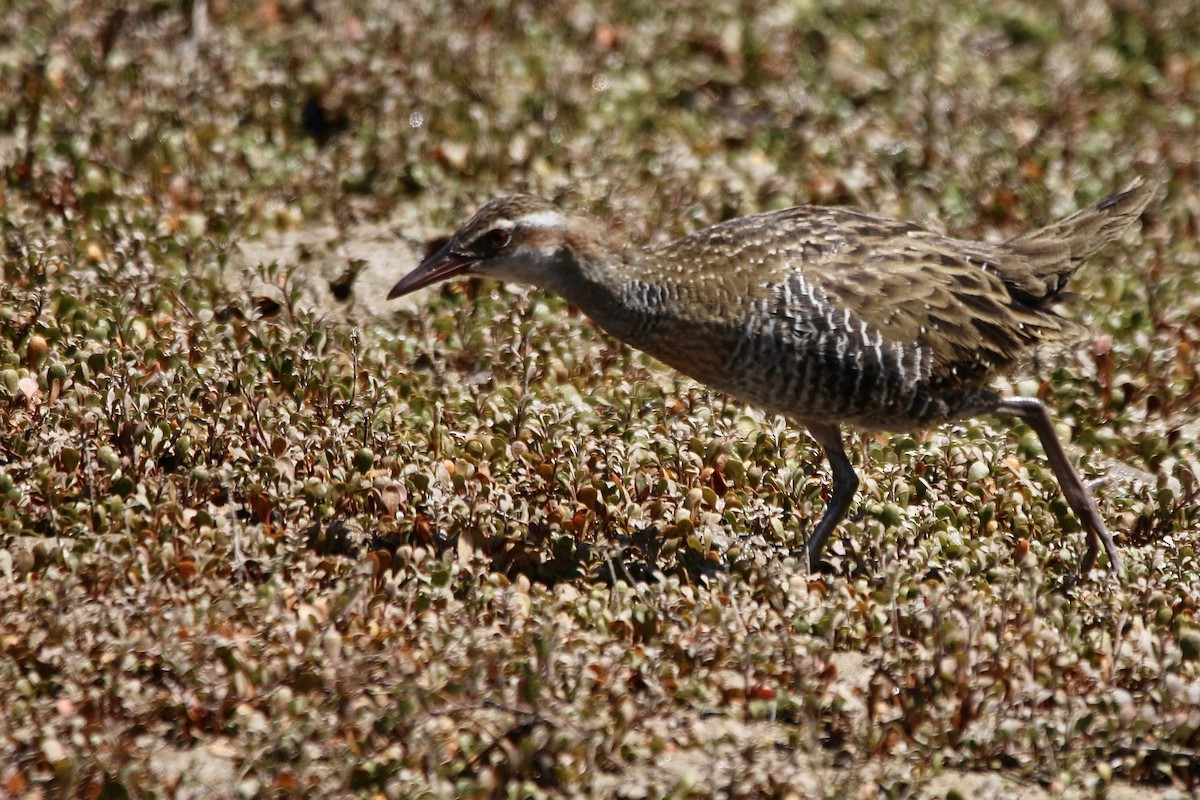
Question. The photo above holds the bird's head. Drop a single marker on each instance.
(520, 238)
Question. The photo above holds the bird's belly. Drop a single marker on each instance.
(814, 390)
(872, 387)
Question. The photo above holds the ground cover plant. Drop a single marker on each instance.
(254, 544)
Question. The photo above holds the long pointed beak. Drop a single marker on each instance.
(438, 267)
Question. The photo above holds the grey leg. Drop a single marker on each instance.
(1031, 411)
(845, 484)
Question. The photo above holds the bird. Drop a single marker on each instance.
(827, 315)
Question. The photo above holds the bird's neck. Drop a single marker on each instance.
(610, 283)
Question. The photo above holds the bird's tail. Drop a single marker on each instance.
(1047, 257)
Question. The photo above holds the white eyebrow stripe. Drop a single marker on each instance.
(542, 219)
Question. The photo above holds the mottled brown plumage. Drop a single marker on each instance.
(826, 315)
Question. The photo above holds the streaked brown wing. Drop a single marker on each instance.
(835, 268)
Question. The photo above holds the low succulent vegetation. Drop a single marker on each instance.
(251, 547)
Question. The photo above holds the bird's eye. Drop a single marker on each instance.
(497, 238)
